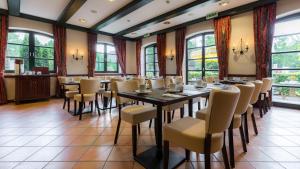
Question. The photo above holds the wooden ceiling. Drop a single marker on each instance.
(129, 19)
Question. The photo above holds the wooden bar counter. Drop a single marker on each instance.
(32, 87)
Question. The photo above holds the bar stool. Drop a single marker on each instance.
(204, 136)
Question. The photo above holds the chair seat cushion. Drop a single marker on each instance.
(190, 133)
(201, 114)
(86, 97)
(138, 113)
(70, 94)
(71, 87)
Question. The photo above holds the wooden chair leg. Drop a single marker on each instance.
(166, 154)
(187, 155)
(173, 114)
(118, 126)
(97, 105)
(199, 105)
(268, 103)
(231, 147)
(181, 112)
(243, 139)
(224, 154)
(139, 129)
(92, 106)
(260, 106)
(80, 110)
(75, 107)
(207, 148)
(134, 140)
(65, 101)
(168, 117)
(246, 127)
(254, 123)
(68, 100)
(110, 105)
(150, 123)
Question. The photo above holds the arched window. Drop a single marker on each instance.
(202, 59)
(35, 49)
(151, 61)
(106, 59)
(285, 63)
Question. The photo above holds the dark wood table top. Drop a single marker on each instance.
(233, 81)
(156, 96)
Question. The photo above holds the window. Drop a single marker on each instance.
(285, 64)
(202, 59)
(35, 49)
(151, 61)
(106, 59)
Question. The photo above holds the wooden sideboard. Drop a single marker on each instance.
(32, 87)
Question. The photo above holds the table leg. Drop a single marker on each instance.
(105, 99)
(158, 128)
(191, 107)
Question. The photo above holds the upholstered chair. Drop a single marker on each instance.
(264, 95)
(159, 84)
(88, 90)
(268, 98)
(258, 84)
(68, 90)
(205, 136)
(178, 80)
(240, 114)
(110, 94)
(134, 114)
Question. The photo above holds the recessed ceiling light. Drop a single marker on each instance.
(111, 0)
(167, 22)
(128, 20)
(82, 20)
(93, 11)
(167, 1)
(224, 3)
(190, 14)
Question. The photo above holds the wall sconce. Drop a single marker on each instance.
(171, 56)
(243, 49)
(76, 56)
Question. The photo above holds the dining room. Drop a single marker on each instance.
(155, 84)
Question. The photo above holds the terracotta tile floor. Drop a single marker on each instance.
(42, 135)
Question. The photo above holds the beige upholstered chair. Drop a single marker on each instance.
(68, 90)
(240, 114)
(134, 114)
(112, 92)
(254, 98)
(204, 136)
(158, 84)
(88, 90)
(264, 96)
(178, 80)
(169, 80)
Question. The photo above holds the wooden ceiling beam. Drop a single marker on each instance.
(171, 14)
(70, 10)
(13, 7)
(127, 9)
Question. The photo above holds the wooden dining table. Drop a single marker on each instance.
(153, 157)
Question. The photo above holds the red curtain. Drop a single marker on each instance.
(264, 21)
(92, 42)
(59, 34)
(138, 46)
(3, 43)
(161, 53)
(222, 37)
(179, 44)
(120, 45)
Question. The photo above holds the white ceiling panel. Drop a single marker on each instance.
(151, 10)
(192, 15)
(3, 4)
(101, 9)
(50, 9)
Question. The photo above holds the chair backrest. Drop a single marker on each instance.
(89, 86)
(246, 92)
(258, 84)
(125, 86)
(270, 83)
(62, 79)
(169, 80)
(221, 107)
(113, 83)
(209, 79)
(157, 83)
(266, 84)
(178, 80)
(141, 80)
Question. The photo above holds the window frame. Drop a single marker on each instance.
(154, 46)
(105, 58)
(203, 59)
(31, 49)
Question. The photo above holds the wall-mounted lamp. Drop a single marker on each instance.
(171, 56)
(76, 56)
(243, 49)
